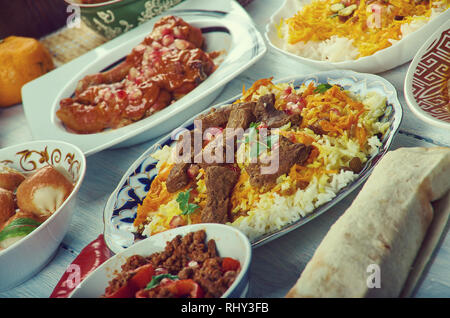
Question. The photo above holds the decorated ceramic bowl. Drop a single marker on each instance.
(114, 17)
(21, 260)
(427, 81)
(230, 242)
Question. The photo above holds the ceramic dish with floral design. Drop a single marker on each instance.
(232, 33)
(44, 177)
(427, 82)
(110, 18)
(121, 209)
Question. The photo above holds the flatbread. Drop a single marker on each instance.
(441, 210)
(382, 231)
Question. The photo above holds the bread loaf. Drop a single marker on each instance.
(384, 227)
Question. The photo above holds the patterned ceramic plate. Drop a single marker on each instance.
(120, 210)
(232, 31)
(427, 81)
(111, 18)
(383, 60)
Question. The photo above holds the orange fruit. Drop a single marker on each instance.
(21, 60)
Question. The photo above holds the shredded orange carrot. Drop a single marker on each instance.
(361, 136)
(371, 28)
(247, 94)
(334, 111)
(299, 137)
(305, 174)
(241, 190)
(156, 196)
(309, 90)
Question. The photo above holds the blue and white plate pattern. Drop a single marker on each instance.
(120, 210)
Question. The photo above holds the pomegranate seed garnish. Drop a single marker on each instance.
(122, 94)
(166, 31)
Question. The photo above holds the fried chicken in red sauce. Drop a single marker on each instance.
(167, 65)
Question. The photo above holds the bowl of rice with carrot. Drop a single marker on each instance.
(362, 35)
(328, 130)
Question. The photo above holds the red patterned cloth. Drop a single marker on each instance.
(91, 257)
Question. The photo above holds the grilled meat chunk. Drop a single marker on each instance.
(241, 118)
(289, 153)
(178, 177)
(220, 181)
(215, 118)
(266, 112)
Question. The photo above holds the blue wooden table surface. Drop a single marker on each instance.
(276, 265)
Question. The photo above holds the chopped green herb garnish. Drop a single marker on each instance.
(322, 88)
(16, 231)
(24, 221)
(184, 205)
(272, 139)
(158, 278)
(254, 125)
(19, 227)
(258, 147)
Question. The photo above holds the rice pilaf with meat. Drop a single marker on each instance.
(339, 129)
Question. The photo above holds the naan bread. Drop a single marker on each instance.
(385, 226)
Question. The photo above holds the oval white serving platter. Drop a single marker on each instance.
(120, 209)
(231, 31)
(426, 76)
(399, 53)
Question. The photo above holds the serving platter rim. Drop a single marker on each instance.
(109, 207)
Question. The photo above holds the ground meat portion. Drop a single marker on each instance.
(191, 257)
(182, 250)
(211, 278)
(118, 281)
(134, 262)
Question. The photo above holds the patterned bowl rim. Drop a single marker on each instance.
(409, 97)
(93, 5)
(112, 233)
(77, 184)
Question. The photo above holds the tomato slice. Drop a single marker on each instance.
(143, 276)
(230, 264)
(185, 287)
(139, 280)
